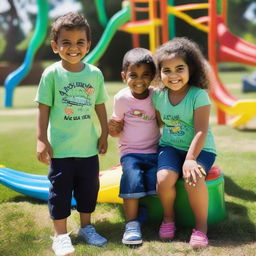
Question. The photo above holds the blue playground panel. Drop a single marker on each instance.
(249, 83)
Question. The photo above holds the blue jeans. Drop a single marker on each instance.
(173, 159)
(139, 175)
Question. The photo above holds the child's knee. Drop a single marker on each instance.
(166, 178)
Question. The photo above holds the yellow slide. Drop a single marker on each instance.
(109, 185)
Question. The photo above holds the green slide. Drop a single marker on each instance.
(117, 20)
(100, 7)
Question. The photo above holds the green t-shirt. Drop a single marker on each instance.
(178, 130)
(72, 97)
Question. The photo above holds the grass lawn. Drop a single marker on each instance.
(25, 226)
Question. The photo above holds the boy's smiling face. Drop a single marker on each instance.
(72, 46)
(138, 78)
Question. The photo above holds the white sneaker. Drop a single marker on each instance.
(62, 245)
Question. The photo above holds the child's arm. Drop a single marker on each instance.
(159, 121)
(44, 149)
(115, 127)
(102, 116)
(201, 123)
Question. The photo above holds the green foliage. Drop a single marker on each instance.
(2, 44)
(23, 45)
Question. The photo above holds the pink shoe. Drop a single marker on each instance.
(167, 231)
(198, 239)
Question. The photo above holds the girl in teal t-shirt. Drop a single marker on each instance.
(186, 146)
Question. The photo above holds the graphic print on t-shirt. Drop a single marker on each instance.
(77, 100)
(174, 125)
(141, 114)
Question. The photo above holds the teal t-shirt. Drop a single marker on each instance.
(72, 97)
(178, 130)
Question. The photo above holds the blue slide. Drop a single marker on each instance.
(32, 185)
(18, 75)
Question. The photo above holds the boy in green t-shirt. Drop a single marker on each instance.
(69, 91)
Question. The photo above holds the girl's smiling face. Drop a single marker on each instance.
(72, 46)
(174, 73)
(138, 78)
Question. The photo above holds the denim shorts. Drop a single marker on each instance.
(139, 175)
(172, 159)
(73, 175)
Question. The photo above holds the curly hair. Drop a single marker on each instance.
(138, 56)
(191, 54)
(70, 21)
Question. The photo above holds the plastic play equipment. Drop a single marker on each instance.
(230, 49)
(223, 46)
(155, 25)
(100, 7)
(14, 78)
(37, 186)
(183, 212)
(117, 20)
(249, 83)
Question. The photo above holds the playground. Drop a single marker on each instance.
(25, 224)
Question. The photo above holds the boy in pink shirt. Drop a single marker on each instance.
(134, 122)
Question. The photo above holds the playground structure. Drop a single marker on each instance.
(159, 25)
(37, 186)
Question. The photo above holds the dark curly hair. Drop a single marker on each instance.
(138, 56)
(190, 52)
(70, 21)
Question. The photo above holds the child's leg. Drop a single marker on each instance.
(85, 219)
(86, 187)
(60, 226)
(131, 206)
(166, 190)
(198, 199)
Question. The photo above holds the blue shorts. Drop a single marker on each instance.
(73, 175)
(139, 175)
(172, 159)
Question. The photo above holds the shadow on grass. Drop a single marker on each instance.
(232, 189)
(23, 198)
(235, 230)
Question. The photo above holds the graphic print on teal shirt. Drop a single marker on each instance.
(174, 125)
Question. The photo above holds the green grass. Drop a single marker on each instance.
(25, 226)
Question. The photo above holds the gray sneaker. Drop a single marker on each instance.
(62, 245)
(89, 234)
(132, 234)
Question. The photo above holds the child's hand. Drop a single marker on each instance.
(191, 170)
(102, 145)
(44, 152)
(115, 127)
